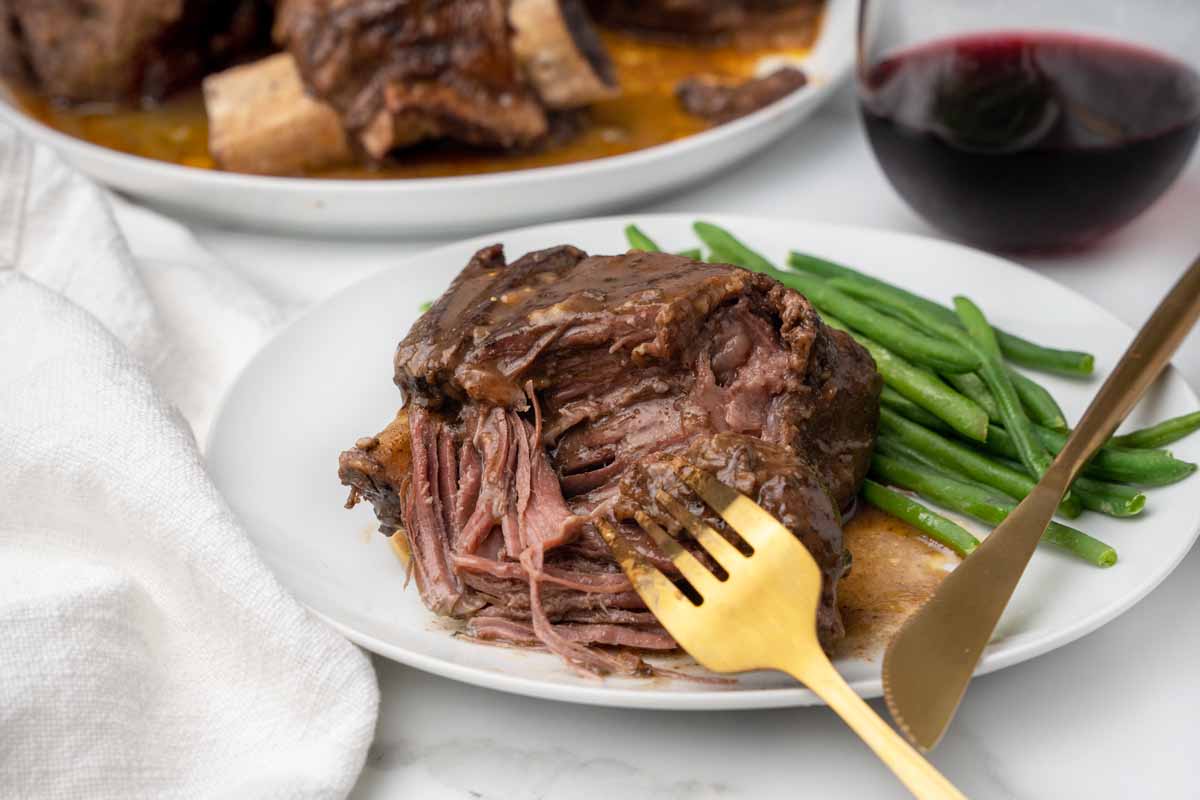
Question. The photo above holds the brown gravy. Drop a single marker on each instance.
(895, 570)
(645, 115)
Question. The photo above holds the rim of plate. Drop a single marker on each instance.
(833, 55)
(1013, 650)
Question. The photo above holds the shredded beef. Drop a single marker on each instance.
(543, 393)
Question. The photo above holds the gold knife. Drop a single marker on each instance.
(930, 660)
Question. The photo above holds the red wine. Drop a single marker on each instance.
(1031, 141)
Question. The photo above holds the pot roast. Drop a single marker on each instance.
(543, 393)
(360, 79)
(400, 71)
(125, 50)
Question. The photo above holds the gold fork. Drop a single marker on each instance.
(762, 616)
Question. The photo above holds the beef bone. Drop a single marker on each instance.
(560, 52)
(262, 121)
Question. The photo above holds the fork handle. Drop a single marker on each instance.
(921, 777)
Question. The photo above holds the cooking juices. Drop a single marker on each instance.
(645, 115)
(1030, 141)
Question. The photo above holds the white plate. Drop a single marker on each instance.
(427, 207)
(327, 380)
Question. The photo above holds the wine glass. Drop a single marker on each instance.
(1028, 125)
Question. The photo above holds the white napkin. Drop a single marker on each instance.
(145, 650)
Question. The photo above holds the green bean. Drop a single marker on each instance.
(694, 254)
(1019, 351)
(888, 446)
(970, 384)
(723, 242)
(934, 525)
(973, 501)
(1165, 432)
(1072, 363)
(1124, 465)
(1076, 542)
(915, 310)
(1113, 499)
(892, 399)
(639, 240)
(959, 459)
(922, 387)
(891, 446)
(891, 333)
(992, 388)
(1149, 467)
(911, 443)
(1033, 453)
(1038, 402)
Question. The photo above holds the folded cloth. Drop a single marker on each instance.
(145, 649)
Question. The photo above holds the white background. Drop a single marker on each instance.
(1111, 716)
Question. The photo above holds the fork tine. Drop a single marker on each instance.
(717, 545)
(696, 573)
(745, 516)
(660, 595)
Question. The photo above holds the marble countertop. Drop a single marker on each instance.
(1113, 715)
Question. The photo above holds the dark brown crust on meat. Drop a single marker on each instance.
(124, 50)
(537, 319)
(399, 71)
(439, 359)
